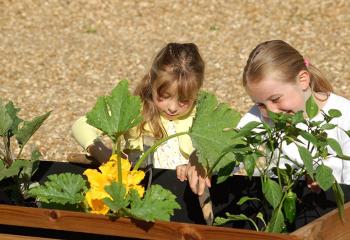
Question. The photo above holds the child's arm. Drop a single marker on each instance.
(88, 137)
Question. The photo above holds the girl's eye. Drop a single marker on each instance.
(164, 97)
(184, 102)
(275, 100)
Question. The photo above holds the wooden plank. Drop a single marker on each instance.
(328, 226)
(125, 227)
(14, 236)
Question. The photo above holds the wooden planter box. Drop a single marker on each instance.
(328, 226)
(36, 223)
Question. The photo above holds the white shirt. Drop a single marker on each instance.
(168, 155)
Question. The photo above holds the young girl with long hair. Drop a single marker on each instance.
(168, 92)
(279, 79)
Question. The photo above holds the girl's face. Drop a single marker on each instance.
(271, 93)
(169, 105)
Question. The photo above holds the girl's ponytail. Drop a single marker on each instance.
(319, 82)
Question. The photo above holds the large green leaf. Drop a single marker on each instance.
(307, 159)
(61, 188)
(324, 177)
(335, 146)
(29, 128)
(276, 223)
(250, 162)
(119, 198)
(272, 192)
(339, 197)
(157, 204)
(311, 107)
(116, 114)
(231, 217)
(5, 120)
(12, 111)
(208, 132)
(33, 165)
(14, 169)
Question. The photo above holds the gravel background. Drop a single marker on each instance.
(61, 55)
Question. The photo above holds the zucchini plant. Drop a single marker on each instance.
(12, 166)
(107, 191)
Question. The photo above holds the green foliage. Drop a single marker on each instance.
(246, 199)
(64, 188)
(117, 113)
(12, 112)
(5, 120)
(324, 177)
(241, 217)
(209, 129)
(15, 167)
(157, 204)
(119, 199)
(312, 142)
(276, 223)
(29, 128)
(233, 217)
(311, 108)
(339, 198)
(272, 192)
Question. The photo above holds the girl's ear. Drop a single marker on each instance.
(303, 79)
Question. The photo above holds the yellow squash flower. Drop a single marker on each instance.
(109, 173)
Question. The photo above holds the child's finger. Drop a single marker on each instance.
(181, 172)
(208, 182)
(192, 177)
(201, 185)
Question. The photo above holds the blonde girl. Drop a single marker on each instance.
(168, 93)
(279, 79)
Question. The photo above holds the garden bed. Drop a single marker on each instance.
(187, 223)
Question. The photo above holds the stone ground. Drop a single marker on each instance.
(61, 55)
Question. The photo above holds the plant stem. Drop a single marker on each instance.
(8, 157)
(20, 152)
(254, 224)
(119, 162)
(154, 147)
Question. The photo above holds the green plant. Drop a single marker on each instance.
(116, 114)
(109, 192)
(11, 163)
(265, 140)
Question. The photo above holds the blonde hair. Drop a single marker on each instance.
(277, 55)
(180, 63)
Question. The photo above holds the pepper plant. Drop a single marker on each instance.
(279, 172)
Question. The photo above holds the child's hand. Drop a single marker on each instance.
(312, 185)
(181, 172)
(196, 175)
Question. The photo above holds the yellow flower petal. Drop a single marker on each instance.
(96, 204)
(135, 177)
(96, 179)
(139, 189)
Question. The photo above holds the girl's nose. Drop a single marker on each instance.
(172, 107)
(272, 108)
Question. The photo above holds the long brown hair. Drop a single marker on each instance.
(278, 55)
(176, 62)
